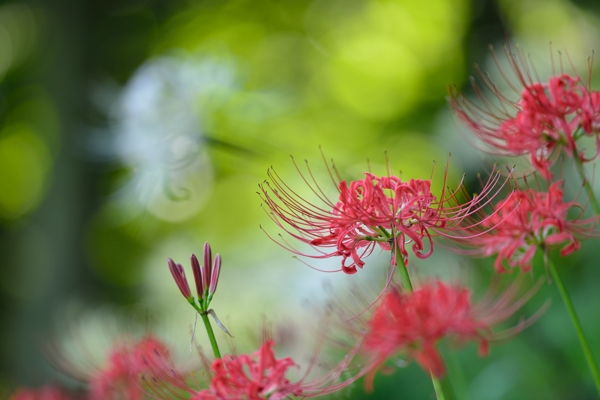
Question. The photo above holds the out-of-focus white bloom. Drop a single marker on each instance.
(158, 123)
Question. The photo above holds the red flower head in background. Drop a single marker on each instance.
(127, 365)
(410, 324)
(526, 221)
(132, 368)
(546, 117)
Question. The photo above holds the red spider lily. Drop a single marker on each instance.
(382, 211)
(143, 369)
(546, 117)
(122, 376)
(410, 324)
(128, 373)
(258, 376)
(128, 370)
(527, 221)
(44, 393)
(262, 376)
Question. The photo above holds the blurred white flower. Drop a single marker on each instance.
(157, 125)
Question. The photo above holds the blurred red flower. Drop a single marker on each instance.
(546, 117)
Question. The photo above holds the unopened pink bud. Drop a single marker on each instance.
(206, 268)
(197, 276)
(214, 279)
(179, 276)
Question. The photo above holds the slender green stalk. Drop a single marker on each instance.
(439, 391)
(403, 272)
(456, 376)
(447, 388)
(209, 330)
(211, 335)
(571, 310)
(443, 388)
(586, 184)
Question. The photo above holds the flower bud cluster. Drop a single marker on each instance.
(206, 278)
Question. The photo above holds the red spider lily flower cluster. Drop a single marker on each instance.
(206, 278)
(410, 324)
(400, 217)
(546, 119)
(143, 369)
(256, 376)
(132, 369)
(261, 376)
(148, 370)
(547, 116)
(384, 211)
(126, 365)
(526, 221)
(401, 323)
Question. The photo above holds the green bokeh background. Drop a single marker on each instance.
(358, 78)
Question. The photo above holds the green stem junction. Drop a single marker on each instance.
(209, 330)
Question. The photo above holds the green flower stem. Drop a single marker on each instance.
(400, 263)
(443, 389)
(403, 272)
(211, 335)
(439, 391)
(586, 184)
(209, 330)
(582, 340)
(447, 388)
(456, 376)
